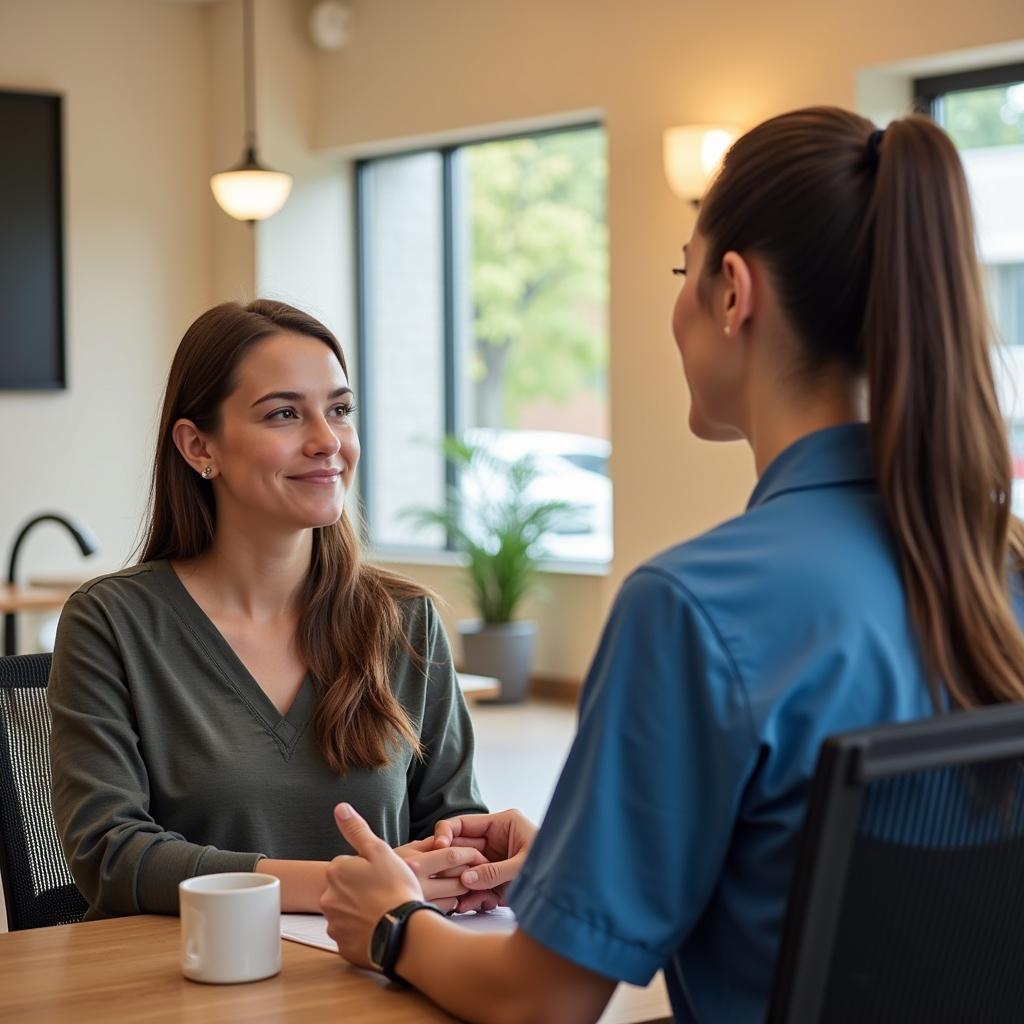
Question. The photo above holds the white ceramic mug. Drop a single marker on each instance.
(230, 927)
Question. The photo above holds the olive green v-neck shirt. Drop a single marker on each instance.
(170, 761)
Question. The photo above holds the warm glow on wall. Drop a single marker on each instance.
(692, 154)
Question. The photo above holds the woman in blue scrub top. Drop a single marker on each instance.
(833, 317)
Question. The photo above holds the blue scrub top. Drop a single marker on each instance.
(671, 836)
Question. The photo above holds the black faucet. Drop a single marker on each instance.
(86, 544)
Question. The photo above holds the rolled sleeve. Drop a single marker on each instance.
(632, 845)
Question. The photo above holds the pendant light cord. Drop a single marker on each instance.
(250, 77)
(249, 191)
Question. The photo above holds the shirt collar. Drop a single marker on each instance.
(827, 458)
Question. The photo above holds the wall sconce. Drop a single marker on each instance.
(692, 154)
(249, 191)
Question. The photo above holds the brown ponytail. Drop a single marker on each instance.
(939, 440)
(351, 623)
(871, 246)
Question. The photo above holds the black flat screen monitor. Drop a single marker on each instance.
(31, 243)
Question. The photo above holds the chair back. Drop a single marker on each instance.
(38, 888)
(907, 902)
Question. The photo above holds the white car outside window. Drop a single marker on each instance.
(570, 467)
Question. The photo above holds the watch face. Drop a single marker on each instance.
(386, 941)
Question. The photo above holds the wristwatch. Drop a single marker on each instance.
(389, 935)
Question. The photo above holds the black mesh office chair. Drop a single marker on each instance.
(38, 888)
(908, 899)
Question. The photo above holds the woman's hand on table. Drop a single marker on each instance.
(438, 867)
(507, 837)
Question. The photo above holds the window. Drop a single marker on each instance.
(983, 111)
(483, 308)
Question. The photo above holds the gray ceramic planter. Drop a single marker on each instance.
(503, 650)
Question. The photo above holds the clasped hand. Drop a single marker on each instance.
(438, 867)
(467, 864)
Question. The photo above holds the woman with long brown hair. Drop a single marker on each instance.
(213, 702)
(832, 316)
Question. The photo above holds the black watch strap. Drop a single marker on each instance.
(389, 937)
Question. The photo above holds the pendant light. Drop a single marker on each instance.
(249, 191)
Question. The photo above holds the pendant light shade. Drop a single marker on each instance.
(249, 191)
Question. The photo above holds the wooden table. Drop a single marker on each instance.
(126, 969)
(32, 599)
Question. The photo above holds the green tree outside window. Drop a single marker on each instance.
(538, 271)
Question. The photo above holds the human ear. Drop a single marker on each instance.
(191, 444)
(738, 294)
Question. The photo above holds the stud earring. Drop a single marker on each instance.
(208, 472)
(728, 330)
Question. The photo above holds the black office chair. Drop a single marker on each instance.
(38, 888)
(907, 902)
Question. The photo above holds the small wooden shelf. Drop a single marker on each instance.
(476, 688)
(32, 599)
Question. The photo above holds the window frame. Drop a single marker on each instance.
(930, 91)
(452, 292)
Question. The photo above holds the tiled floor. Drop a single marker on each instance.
(519, 751)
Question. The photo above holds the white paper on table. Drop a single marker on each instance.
(311, 929)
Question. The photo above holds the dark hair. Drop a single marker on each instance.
(351, 620)
(870, 243)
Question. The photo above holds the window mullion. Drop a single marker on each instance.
(364, 186)
(451, 213)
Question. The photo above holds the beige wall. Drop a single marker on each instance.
(138, 256)
(304, 253)
(154, 105)
(435, 68)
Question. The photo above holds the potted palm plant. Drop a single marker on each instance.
(491, 516)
